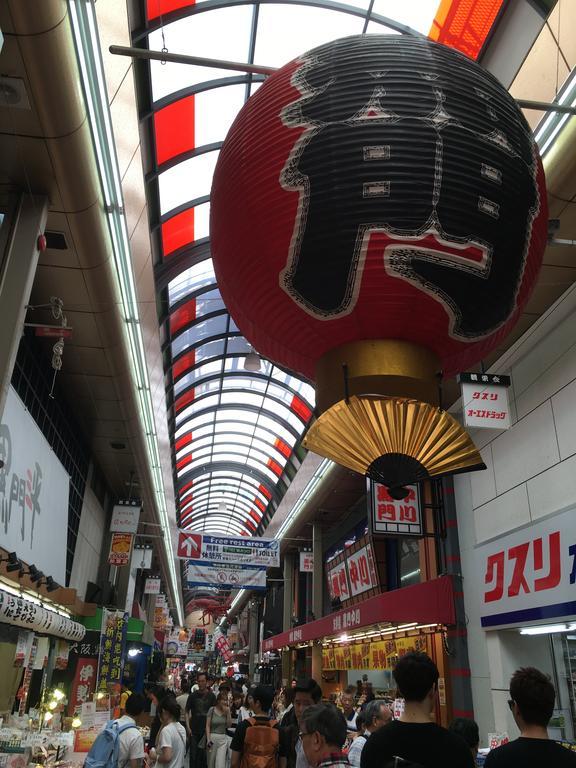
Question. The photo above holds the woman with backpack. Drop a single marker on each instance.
(218, 721)
(171, 740)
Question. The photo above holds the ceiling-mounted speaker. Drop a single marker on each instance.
(13, 93)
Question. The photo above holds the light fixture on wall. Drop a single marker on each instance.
(548, 629)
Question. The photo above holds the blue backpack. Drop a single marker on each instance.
(104, 752)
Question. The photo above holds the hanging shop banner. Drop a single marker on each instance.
(34, 489)
(529, 575)
(125, 517)
(338, 582)
(225, 575)
(244, 550)
(176, 642)
(142, 558)
(306, 562)
(152, 586)
(222, 645)
(83, 685)
(485, 400)
(23, 613)
(209, 643)
(161, 616)
(393, 517)
(120, 547)
(112, 647)
(361, 571)
(23, 648)
(378, 655)
(62, 655)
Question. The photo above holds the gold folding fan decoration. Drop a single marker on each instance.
(394, 441)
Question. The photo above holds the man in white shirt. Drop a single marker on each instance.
(376, 714)
(130, 741)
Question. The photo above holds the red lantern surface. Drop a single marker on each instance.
(378, 187)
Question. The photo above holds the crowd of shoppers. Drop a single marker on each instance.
(225, 724)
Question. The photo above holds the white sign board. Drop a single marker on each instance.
(306, 562)
(396, 517)
(243, 550)
(125, 518)
(209, 643)
(529, 576)
(225, 576)
(485, 400)
(152, 586)
(34, 489)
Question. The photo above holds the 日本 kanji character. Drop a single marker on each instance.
(348, 194)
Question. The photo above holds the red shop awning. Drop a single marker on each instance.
(429, 603)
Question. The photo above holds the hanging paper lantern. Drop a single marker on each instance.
(378, 216)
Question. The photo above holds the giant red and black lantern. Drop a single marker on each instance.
(379, 188)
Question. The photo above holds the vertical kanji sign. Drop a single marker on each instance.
(84, 684)
(112, 646)
(361, 571)
(398, 517)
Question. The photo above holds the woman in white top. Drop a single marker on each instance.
(171, 740)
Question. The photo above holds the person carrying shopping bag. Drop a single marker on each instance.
(218, 720)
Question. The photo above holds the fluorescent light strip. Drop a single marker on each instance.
(87, 44)
(552, 123)
(322, 471)
(33, 598)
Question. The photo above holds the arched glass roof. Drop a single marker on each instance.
(236, 433)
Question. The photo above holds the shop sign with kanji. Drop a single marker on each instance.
(361, 571)
(83, 685)
(306, 562)
(485, 400)
(120, 548)
(112, 646)
(393, 516)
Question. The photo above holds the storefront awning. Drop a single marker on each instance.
(429, 603)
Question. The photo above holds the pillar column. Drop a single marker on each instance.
(287, 610)
(253, 636)
(317, 597)
(18, 260)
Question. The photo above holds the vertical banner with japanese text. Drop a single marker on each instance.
(83, 685)
(112, 648)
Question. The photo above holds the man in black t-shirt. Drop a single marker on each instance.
(197, 706)
(531, 701)
(415, 737)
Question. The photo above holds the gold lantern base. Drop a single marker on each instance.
(394, 441)
(385, 367)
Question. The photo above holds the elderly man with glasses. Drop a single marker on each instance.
(323, 732)
(376, 714)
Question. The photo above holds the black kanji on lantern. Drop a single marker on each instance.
(410, 139)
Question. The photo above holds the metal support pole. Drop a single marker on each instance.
(317, 596)
(287, 610)
(197, 61)
(257, 69)
(546, 106)
(252, 636)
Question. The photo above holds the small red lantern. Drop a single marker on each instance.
(378, 215)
